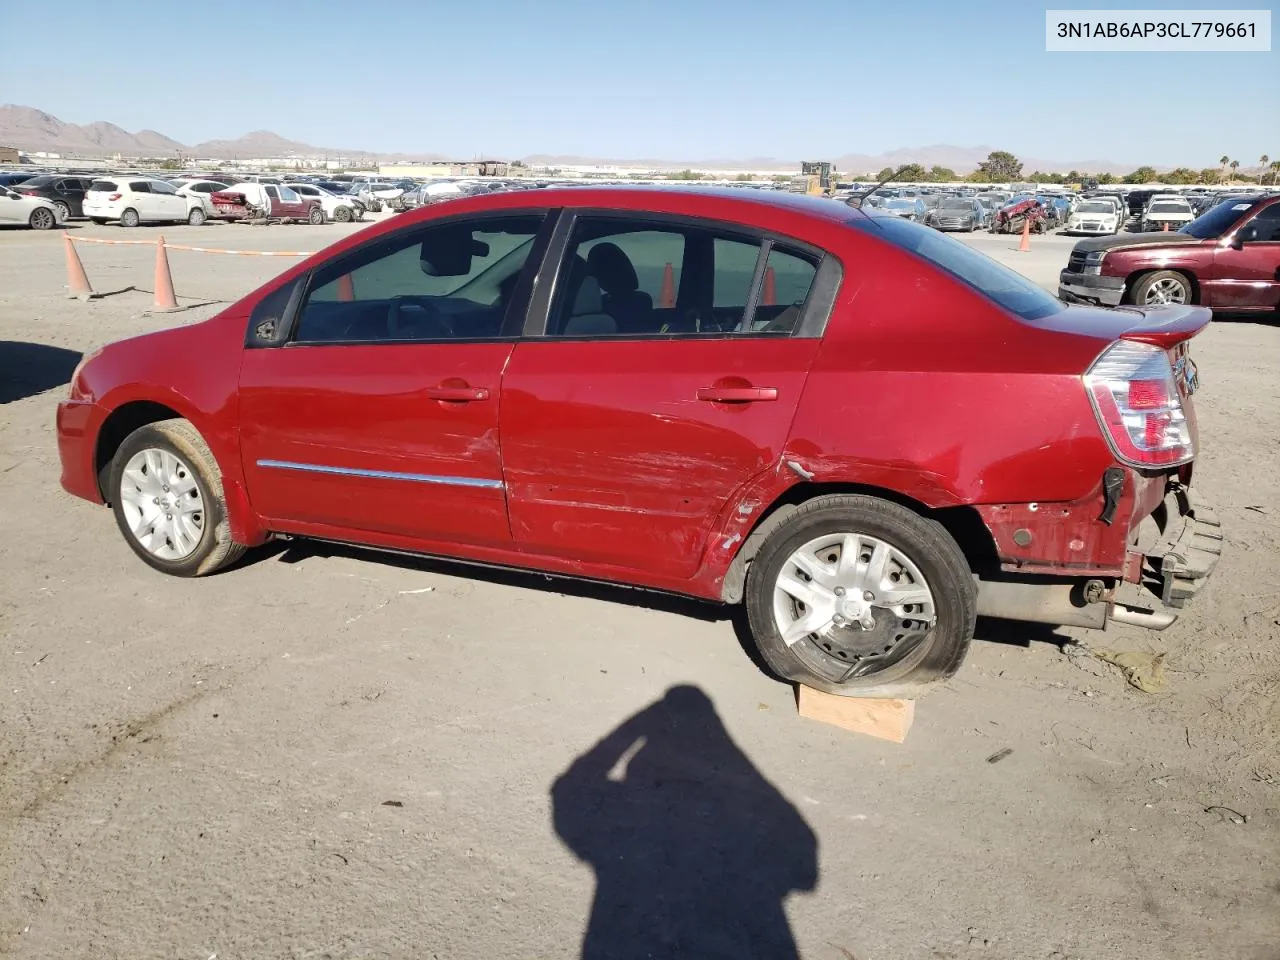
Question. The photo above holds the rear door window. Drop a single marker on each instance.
(140, 186)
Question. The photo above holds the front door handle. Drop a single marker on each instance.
(457, 394)
(737, 394)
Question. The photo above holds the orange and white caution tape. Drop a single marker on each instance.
(121, 243)
(244, 253)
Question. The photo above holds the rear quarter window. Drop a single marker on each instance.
(105, 186)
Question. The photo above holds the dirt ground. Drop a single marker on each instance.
(327, 753)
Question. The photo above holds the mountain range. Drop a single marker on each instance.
(30, 129)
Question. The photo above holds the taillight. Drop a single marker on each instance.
(1136, 399)
(115, 196)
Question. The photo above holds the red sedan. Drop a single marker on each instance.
(860, 428)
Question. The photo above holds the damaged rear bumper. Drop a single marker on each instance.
(1179, 547)
(1176, 550)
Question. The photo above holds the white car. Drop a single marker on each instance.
(35, 212)
(1095, 217)
(1167, 213)
(339, 208)
(135, 200)
(201, 190)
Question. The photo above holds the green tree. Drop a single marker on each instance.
(1075, 176)
(170, 165)
(1209, 175)
(885, 174)
(1105, 179)
(1223, 163)
(685, 175)
(1263, 161)
(1181, 175)
(912, 173)
(942, 174)
(1275, 171)
(1001, 166)
(1235, 165)
(1142, 175)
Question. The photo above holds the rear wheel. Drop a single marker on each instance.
(1163, 286)
(64, 210)
(130, 218)
(166, 493)
(342, 214)
(42, 218)
(857, 596)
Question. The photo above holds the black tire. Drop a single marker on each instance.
(215, 549)
(902, 672)
(42, 218)
(130, 218)
(196, 217)
(342, 214)
(316, 216)
(1147, 281)
(64, 210)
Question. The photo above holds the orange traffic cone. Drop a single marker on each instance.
(667, 299)
(1025, 245)
(77, 280)
(769, 295)
(346, 288)
(165, 300)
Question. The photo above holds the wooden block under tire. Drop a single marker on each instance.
(885, 719)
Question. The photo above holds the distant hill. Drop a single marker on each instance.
(30, 129)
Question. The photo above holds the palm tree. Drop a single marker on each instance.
(1224, 161)
(1275, 171)
(1264, 160)
(1235, 164)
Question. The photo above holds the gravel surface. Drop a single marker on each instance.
(327, 753)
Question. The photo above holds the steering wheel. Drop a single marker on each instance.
(434, 326)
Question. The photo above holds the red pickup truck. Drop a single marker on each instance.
(265, 201)
(1228, 259)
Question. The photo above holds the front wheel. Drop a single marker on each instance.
(64, 210)
(166, 492)
(196, 217)
(342, 214)
(130, 218)
(1163, 286)
(861, 597)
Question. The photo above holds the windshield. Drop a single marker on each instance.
(1217, 220)
(956, 203)
(1170, 207)
(901, 204)
(1095, 206)
(1009, 289)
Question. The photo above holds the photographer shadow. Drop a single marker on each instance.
(694, 851)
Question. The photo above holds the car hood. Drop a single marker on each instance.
(1126, 240)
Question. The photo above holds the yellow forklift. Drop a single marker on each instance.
(816, 178)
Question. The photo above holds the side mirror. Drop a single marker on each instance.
(1246, 234)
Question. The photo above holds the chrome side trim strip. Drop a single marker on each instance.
(383, 474)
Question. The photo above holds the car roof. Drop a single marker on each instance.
(639, 197)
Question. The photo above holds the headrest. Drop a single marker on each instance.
(613, 269)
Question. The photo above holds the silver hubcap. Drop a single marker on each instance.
(42, 218)
(162, 504)
(1167, 290)
(856, 597)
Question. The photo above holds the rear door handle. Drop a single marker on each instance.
(737, 394)
(457, 394)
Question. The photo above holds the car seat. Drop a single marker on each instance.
(623, 299)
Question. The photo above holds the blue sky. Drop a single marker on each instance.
(678, 80)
